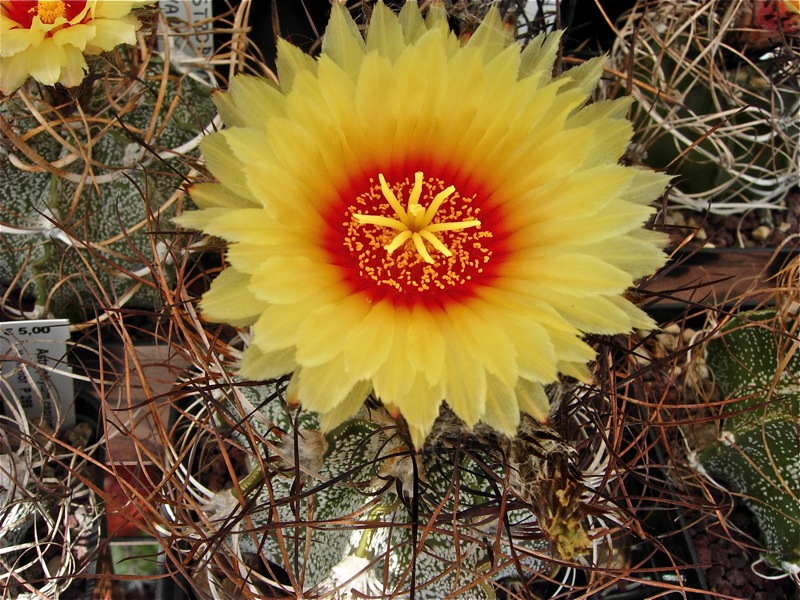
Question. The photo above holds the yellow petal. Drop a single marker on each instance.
(248, 257)
(418, 104)
(261, 366)
(420, 407)
(638, 318)
(288, 279)
(502, 410)
(491, 37)
(532, 399)
(224, 165)
(394, 377)
(576, 370)
(425, 345)
(44, 62)
(487, 343)
(199, 219)
(535, 351)
(211, 195)
(290, 61)
(78, 36)
(17, 40)
(538, 57)
(325, 386)
(465, 390)
(369, 343)
(343, 41)
(644, 184)
(376, 86)
(230, 301)
(595, 314)
(13, 73)
(385, 35)
(116, 9)
(278, 326)
(582, 231)
(256, 100)
(110, 33)
(573, 275)
(337, 91)
(349, 406)
(436, 17)
(566, 197)
(585, 76)
(412, 22)
(634, 255)
(323, 332)
(244, 224)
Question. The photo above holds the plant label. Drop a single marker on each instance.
(36, 379)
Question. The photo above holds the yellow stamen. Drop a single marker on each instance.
(437, 201)
(391, 198)
(435, 242)
(452, 226)
(382, 221)
(413, 199)
(398, 241)
(50, 10)
(420, 246)
(416, 223)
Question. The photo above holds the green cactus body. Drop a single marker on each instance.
(725, 124)
(349, 509)
(758, 452)
(85, 235)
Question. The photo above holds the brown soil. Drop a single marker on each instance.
(728, 562)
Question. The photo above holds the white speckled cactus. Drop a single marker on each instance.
(89, 180)
(756, 364)
(342, 515)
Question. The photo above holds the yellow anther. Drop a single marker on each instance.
(49, 10)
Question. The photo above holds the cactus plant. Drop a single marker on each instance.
(755, 363)
(89, 184)
(710, 110)
(357, 511)
(50, 517)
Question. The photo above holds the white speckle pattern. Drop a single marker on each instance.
(758, 453)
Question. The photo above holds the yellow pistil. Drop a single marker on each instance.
(415, 223)
(49, 10)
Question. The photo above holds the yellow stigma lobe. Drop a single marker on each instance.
(415, 223)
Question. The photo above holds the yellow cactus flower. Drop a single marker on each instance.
(46, 39)
(424, 220)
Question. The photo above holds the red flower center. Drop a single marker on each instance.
(419, 239)
(23, 11)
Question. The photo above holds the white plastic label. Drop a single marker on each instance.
(193, 17)
(35, 373)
